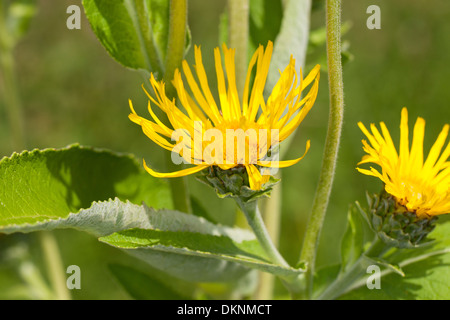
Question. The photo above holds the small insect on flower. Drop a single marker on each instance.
(421, 187)
(236, 134)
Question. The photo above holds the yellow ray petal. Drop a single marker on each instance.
(310, 77)
(210, 110)
(389, 142)
(416, 156)
(203, 79)
(254, 177)
(285, 163)
(369, 136)
(436, 149)
(233, 97)
(404, 136)
(224, 104)
(175, 174)
(247, 80)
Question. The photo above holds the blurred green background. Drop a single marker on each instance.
(72, 91)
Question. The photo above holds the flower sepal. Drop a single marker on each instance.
(234, 183)
(394, 224)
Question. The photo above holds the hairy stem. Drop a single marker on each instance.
(336, 93)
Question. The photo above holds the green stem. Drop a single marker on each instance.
(335, 79)
(354, 274)
(255, 221)
(238, 11)
(174, 57)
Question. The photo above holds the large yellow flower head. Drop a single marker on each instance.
(203, 130)
(420, 186)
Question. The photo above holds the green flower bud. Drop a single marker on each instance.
(234, 182)
(394, 224)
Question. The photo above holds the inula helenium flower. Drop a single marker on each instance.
(233, 132)
(421, 186)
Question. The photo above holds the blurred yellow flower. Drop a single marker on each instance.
(421, 187)
(203, 130)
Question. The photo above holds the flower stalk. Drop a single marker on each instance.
(254, 219)
(336, 113)
(256, 223)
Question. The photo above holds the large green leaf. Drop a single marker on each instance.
(133, 32)
(248, 253)
(217, 263)
(44, 190)
(43, 185)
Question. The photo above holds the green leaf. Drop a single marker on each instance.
(141, 286)
(42, 185)
(395, 268)
(102, 218)
(44, 190)
(247, 253)
(133, 32)
(352, 245)
(105, 218)
(158, 15)
(427, 275)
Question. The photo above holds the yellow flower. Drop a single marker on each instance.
(202, 118)
(421, 187)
